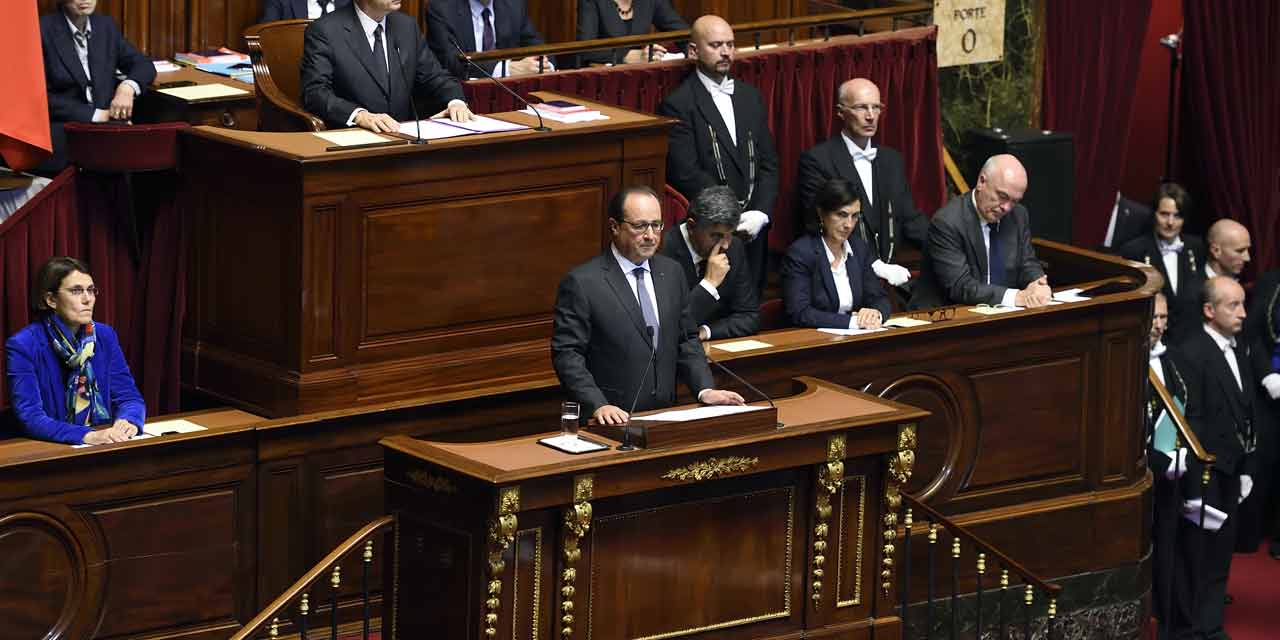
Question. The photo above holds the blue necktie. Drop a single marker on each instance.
(646, 305)
(486, 37)
(995, 256)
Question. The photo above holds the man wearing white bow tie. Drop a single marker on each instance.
(890, 219)
(723, 138)
(1181, 259)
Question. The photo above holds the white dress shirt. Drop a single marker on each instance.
(723, 102)
(1170, 259)
(861, 164)
(1227, 346)
(841, 276)
(82, 52)
(1010, 296)
(315, 10)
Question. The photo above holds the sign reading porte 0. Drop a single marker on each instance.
(969, 31)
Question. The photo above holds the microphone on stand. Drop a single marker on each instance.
(542, 127)
(626, 429)
(408, 87)
(747, 385)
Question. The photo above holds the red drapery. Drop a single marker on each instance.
(1231, 116)
(799, 88)
(1091, 64)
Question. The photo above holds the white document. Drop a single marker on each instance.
(570, 443)
(904, 322)
(351, 137)
(852, 332)
(709, 411)
(989, 310)
(672, 55)
(568, 118)
(139, 436)
(484, 124)
(1069, 295)
(204, 91)
(742, 345)
(164, 427)
(435, 129)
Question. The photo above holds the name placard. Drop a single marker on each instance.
(969, 31)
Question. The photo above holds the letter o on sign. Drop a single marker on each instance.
(969, 41)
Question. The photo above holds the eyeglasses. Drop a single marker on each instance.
(639, 227)
(862, 109)
(78, 291)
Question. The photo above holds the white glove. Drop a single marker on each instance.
(1178, 465)
(1272, 384)
(1213, 517)
(894, 274)
(1246, 487)
(752, 222)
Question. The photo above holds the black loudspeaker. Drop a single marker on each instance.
(1049, 157)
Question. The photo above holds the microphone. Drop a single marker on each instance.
(626, 429)
(408, 87)
(542, 127)
(747, 385)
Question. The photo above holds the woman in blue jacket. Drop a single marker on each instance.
(67, 375)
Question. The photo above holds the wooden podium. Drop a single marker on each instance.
(771, 534)
(328, 279)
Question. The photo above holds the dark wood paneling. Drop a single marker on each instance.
(43, 571)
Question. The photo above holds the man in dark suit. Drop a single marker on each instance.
(273, 10)
(1180, 259)
(980, 246)
(617, 311)
(889, 215)
(1229, 245)
(1222, 393)
(723, 137)
(483, 25)
(355, 64)
(91, 73)
(1262, 329)
(722, 301)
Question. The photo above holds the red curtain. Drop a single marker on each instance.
(799, 88)
(1091, 57)
(1231, 116)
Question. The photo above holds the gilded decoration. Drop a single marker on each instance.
(899, 467)
(711, 468)
(577, 521)
(502, 532)
(830, 479)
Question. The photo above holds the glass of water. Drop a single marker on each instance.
(569, 418)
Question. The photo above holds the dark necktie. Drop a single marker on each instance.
(995, 256)
(646, 305)
(487, 39)
(702, 269)
(380, 54)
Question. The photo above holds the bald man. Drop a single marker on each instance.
(723, 138)
(889, 216)
(1228, 249)
(979, 248)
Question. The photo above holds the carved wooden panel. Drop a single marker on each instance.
(323, 235)
(44, 576)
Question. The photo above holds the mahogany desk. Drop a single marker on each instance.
(232, 112)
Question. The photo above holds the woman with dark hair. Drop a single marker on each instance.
(827, 280)
(617, 18)
(66, 373)
(1179, 257)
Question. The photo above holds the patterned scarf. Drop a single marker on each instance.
(84, 401)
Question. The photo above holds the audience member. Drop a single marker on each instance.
(483, 25)
(617, 18)
(1228, 249)
(1262, 329)
(1177, 256)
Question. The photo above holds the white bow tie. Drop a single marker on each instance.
(1170, 247)
(1158, 350)
(726, 87)
(859, 154)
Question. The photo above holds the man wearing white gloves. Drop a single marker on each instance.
(890, 219)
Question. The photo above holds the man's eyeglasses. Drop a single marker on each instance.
(78, 291)
(639, 227)
(863, 109)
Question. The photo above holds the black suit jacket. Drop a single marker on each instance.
(600, 19)
(691, 163)
(955, 264)
(737, 312)
(1133, 219)
(273, 10)
(1184, 306)
(64, 77)
(511, 25)
(1158, 461)
(890, 191)
(339, 72)
(599, 345)
(809, 287)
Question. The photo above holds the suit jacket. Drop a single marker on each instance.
(1260, 325)
(600, 19)
(955, 264)
(37, 384)
(890, 191)
(64, 77)
(1133, 219)
(273, 10)
(511, 28)
(691, 163)
(737, 312)
(339, 72)
(599, 345)
(1184, 307)
(1158, 461)
(809, 287)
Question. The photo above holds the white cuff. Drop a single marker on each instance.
(1246, 486)
(137, 91)
(101, 115)
(1010, 298)
(711, 289)
(1271, 382)
(708, 330)
(351, 119)
(1214, 518)
(701, 393)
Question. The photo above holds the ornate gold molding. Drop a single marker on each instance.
(502, 532)
(830, 478)
(536, 596)
(857, 532)
(577, 521)
(431, 482)
(711, 468)
(899, 467)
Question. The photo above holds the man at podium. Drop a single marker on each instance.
(622, 330)
(363, 64)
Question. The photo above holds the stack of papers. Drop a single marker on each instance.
(1069, 295)
(742, 345)
(440, 128)
(352, 137)
(165, 66)
(204, 91)
(685, 415)
(577, 116)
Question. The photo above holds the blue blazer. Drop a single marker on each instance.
(37, 384)
(809, 288)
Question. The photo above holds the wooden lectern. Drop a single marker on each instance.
(774, 533)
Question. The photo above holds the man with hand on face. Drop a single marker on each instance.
(722, 300)
(723, 138)
(1228, 249)
(980, 246)
(363, 64)
(622, 330)
(889, 215)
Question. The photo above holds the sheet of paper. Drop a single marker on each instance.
(140, 436)
(171, 426)
(742, 345)
(851, 332)
(434, 129)
(1069, 295)
(904, 321)
(577, 116)
(987, 310)
(351, 137)
(204, 91)
(672, 55)
(484, 124)
(685, 415)
(572, 444)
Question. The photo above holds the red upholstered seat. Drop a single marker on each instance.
(117, 148)
(674, 206)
